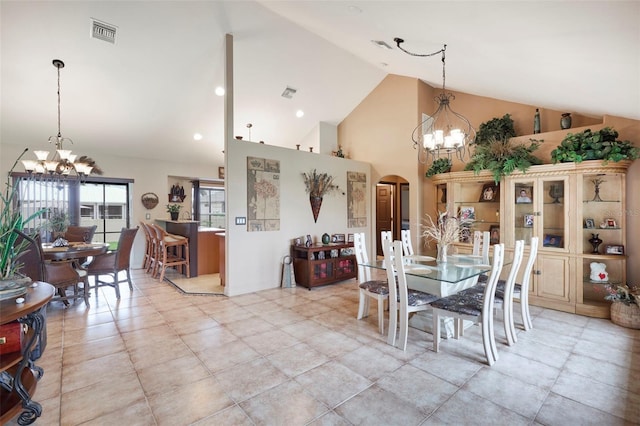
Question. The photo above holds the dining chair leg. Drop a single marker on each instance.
(404, 328)
(393, 323)
(363, 306)
(524, 309)
(436, 332)
(507, 317)
(129, 279)
(380, 299)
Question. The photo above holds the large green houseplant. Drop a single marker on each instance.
(602, 144)
(494, 150)
(11, 220)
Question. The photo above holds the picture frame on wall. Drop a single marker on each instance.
(490, 192)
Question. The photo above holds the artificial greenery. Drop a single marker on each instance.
(495, 129)
(599, 145)
(58, 221)
(173, 208)
(11, 219)
(502, 157)
(441, 165)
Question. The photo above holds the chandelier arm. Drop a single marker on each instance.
(399, 41)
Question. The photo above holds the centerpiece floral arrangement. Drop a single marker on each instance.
(445, 231)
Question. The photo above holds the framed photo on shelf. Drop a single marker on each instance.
(551, 240)
(349, 238)
(494, 234)
(611, 223)
(338, 238)
(467, 212)
(614, 249)
(524, 194)
(490, 192)
(528, 221)
(589, 223)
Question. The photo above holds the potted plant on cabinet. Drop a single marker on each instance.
(174, 210)
(602, 144)
(12, 283)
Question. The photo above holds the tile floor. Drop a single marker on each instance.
(297, 357)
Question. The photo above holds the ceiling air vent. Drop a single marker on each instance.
(103, 31)
(288, 92)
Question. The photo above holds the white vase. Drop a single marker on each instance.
(442, 252)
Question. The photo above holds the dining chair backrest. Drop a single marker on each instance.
(386, 235)
(388, 251)
(125, 244)
(398, 270)
(526, 273)
(31, 259)
(83, 234)
(360, 248)
(407, 247)
(481, 245)
(492, 282)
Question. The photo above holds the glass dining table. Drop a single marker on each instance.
(424, 273)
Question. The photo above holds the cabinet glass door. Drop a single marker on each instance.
(553, 213)
(524, 219)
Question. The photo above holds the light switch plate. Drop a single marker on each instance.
(147, 216)
(241, 220)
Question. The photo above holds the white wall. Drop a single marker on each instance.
(254, 259)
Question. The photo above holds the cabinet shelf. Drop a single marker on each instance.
(601, 201)
(314, 266)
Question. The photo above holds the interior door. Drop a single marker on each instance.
(384, 212)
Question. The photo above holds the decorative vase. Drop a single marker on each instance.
(14, 287)
(174, 215)
(536, 122)
(556, 192)
(316, 202)
(442, 252)
(565, 121)
(325, 238)
(595, 242)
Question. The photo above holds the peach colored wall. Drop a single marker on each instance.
(378, 131)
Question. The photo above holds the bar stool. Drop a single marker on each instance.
(172, 251)
(150, 249)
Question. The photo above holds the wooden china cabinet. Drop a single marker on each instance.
(565, 205)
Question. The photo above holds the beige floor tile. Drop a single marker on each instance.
(560, 411)
(332, 383)
(270, 341)
(137, 414)
(232, 416)
(100, 398)
(286, 404)
(297, 359)
(189, 403)
(213, 337)
(88, 372)
(378, 406)
(79, 353)
(172, 375)
(246, 380)
(369, 362)
(85, 335)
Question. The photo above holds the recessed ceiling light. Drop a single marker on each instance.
(220, 91)
(299, 113)
(197, 137)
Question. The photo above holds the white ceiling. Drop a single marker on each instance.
(151, 91)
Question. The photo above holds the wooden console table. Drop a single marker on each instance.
(18, 372)
(323, 264)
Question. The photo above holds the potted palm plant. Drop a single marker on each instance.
(12, 283)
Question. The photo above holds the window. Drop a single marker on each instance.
(211, 206)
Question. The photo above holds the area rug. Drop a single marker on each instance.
(200, 285)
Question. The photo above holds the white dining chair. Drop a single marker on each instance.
(402, 301)
(407, 247)
(521, 291)
(505, 300)
(368, 287)
(481, 245)
(472, 306)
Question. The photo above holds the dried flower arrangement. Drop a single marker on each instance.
(319, 184)
(446, 230)
(627, 294)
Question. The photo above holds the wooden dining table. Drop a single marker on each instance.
(73, 251)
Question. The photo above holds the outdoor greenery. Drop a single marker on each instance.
(440, 165)
(58, 221)
(502, 157)
(599, 145)
(11, 219)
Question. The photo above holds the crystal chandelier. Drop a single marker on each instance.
(63, 162)
(445, 133)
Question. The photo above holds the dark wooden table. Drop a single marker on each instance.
(74, 251)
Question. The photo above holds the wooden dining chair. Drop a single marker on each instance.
(113, 262)
(402, 300)
(472, 306)
(369, 288)
(83, 234)
(61, 274)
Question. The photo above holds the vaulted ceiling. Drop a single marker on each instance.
(149, 92)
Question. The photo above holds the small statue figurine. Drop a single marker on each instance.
(598, 272)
